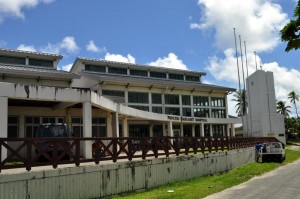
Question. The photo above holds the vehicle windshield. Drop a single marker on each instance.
(52, 131)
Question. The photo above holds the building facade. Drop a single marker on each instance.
(107, 99)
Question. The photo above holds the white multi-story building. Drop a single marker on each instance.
(104, 98)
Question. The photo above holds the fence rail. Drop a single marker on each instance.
(32, 152)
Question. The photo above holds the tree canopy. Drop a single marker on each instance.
(291, 31)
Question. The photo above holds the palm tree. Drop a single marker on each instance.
(293, 98)
(241, 103)
(283, 109)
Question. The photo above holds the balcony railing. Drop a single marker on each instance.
(33, 152)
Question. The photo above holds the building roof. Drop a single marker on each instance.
(135, 66)
(8, 70)
(11, 52)
(154, 82)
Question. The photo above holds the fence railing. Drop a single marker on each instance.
(32, 152)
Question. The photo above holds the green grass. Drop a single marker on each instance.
(204, 186)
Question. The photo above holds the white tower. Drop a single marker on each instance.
(262, 120)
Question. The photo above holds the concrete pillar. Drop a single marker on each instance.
(151, 130)
(232, 130)
(170, 129)
(87, 128)
(164, 130)
(202, 129)
(193, 130)
(181, 130)
(228, 130)
(109, 125)
(210, 130)
(125, 127)
(115, 124)
(3, 123)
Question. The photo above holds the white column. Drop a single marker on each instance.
(181, 130)
(109, 125)
(3, 122)
(151, 130)
(87, 128)
(202, 129)
(210, 130)
(228, 130)
(232, 130)
(125, 127)
(115, 124)
(170, 129)
(193, 130)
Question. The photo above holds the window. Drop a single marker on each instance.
(12, 60)
(77, 126)
(206, 130)
(218, 130)
(200, 101)
(31, 126)
(139, 130)
(122, 71)
(175, 76)
(113, 93)
(201, 112)
(98, 127)
(95, 68)
(192, 78)
(218, 102)
(172, 99)
(158, 75)
(137, 97)
(158, 130)
(156, 98)
(41, 62)
(143, 108)
(186, 112)
(218, 113)
(186, 100)
(156, 109)
(138, 73)
(13, 127)
(172, 111)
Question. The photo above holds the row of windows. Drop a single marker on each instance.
(22, 61)
(141, 73)
(142, 98)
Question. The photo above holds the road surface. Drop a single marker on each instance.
(282, 183)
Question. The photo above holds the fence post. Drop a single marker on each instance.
(77, 152)
(115, 149)
(29, 156)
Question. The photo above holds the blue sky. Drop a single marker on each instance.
(185, 34)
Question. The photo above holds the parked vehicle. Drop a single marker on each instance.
(57, 130)
(272, 151)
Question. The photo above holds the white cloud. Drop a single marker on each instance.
(67, 67)
(120, 58)
(26, 48)
(91, 46)
(258, 21)
(171, 61)
(14, 8)
(69, 44)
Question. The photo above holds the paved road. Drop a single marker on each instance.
(282, 183)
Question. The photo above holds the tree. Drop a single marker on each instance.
(293, 98)
(241, 105)
(283, 109)
(290, 31)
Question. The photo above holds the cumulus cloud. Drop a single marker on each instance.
(120, 58)
(69, 44)
(14, 8)
(171, 61)
(258, 21)
(91, 46)
(67, 67)
(26, 48)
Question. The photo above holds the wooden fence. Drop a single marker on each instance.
(32, 152)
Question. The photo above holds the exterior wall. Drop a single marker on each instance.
(97, 181)
(36, 82)
(262, 119)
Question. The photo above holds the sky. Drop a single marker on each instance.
(184, 34)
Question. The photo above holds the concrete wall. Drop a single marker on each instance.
(106, 179)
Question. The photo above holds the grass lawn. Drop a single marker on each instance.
(204, 186)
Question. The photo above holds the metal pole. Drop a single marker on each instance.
(237, 59)
(255, 59)
(246, 59)
(244, 107)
